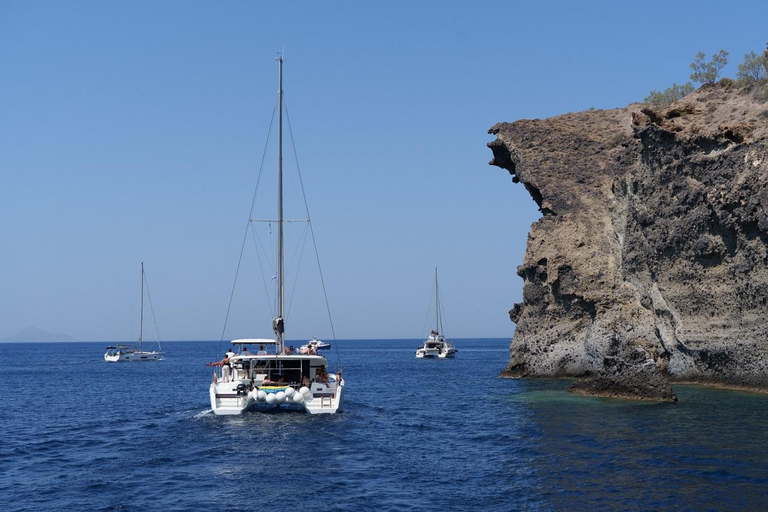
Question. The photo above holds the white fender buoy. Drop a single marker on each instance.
(305, 391)
(298, 398)
(261, 395)
(252, 395)
(280, 397)
(271, 398)
(289, 392)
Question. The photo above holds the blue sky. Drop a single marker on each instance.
(134, 131)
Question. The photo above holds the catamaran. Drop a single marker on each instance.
(134, 353)
(272, 376)
(436, 344)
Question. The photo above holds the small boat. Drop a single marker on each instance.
(274, 377)
(313, 345)
(135, 353)
(436, 345)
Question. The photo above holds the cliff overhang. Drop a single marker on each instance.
(650, 261)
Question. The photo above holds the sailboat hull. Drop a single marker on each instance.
(133, 357)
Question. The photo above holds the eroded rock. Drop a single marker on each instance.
(653, 237)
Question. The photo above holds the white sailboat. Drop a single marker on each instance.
(135, 353)
(274, 376)
(436, 346)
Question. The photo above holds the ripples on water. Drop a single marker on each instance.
(82, 434)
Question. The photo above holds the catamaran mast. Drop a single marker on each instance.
(437, 306)
(141, 325)
(278, 323)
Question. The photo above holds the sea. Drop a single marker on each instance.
(81, 434)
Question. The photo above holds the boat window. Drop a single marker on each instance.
(289, 369)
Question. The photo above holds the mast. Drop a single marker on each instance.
(141, 325)
(278, 324)
(437, 306)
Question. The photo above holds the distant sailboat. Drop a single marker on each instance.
(262, 381)
(436, 344)
(135, 353)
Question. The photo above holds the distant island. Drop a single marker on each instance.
(35, 334)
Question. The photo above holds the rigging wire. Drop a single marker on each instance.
(152, 310)
(300, 253)
(261, 268)
(440, 314)
(245, 235)
(442, 317)
(429, 310)
(312, 232)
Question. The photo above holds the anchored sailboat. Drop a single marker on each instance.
(436, 344)
(125, 353)
(275, 376)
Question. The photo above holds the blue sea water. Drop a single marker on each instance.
(82, 434)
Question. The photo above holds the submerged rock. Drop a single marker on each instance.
(632, 375)
(653, 237)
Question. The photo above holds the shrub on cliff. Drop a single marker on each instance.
(669, 95)
(752, 69)
(708, 72)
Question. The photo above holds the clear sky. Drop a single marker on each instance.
(134, 131)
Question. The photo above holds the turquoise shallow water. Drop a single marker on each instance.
(82, 434)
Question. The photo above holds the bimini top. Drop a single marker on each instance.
(254, 341)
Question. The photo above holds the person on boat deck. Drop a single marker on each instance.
(261, 351)
(288, 350)
(225, 369)
(229, 353)
(245, 350)
(321, 375)
(305, 381)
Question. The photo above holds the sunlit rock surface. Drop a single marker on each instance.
(650, 260)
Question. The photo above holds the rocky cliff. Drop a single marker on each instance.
(650, 261)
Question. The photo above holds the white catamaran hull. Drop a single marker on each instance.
(321, 399)
(449, 353)
(426, 353)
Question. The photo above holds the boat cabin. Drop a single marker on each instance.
(288, 369)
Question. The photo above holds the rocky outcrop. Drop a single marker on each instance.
(652, 245)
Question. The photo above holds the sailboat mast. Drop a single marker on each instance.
(279, 327)
(437, 305)
(141, 324)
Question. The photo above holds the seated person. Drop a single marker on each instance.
(305, 381)
(321, 375)
(261, 351)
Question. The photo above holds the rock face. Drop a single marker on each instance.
(650, 260)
